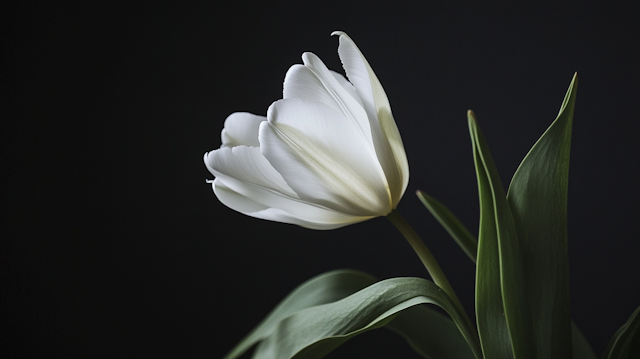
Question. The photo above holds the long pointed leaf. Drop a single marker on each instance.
(538, 201)
(325, 288)
(316, 331)
(581, 347)
(498, 251)
(492, 324)
(625, 343)
(456, 229)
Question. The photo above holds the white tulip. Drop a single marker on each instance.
(327, 155)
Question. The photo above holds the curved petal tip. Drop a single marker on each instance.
(205, 157)
(337, 33)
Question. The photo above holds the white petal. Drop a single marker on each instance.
(315, 82)
(324, 158)
(347, 86)
(300, 82)
(303, 83)
(234, 200)
(246, 165)
(258, 186)
(386, 137)
(324, 219)
(356, 68)
(241, 128)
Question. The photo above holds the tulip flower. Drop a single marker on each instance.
(327, 155)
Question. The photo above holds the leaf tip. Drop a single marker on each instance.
(423, 197)
(471, 116)
(471, 119)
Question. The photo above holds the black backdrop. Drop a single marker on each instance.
(113, 245)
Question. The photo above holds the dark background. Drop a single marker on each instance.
(113, 245)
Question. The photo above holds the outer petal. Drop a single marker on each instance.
(315, 82)
(241, 128)
(386, 136)
(252, 185)
(347, 86)
(324, 158)
(301, 82)
(246, 165)
(324, 219)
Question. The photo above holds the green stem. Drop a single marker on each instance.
(427, 259)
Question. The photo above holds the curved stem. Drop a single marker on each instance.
(427, 259)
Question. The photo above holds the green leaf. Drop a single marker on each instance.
(581, 347)
(325, 288)
(456, 229)
(538, 201)
(502, 310)
(492, 324)
(431, 334)
(316, 331)
(625, 343)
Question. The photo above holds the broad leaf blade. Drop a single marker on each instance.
(498, 252)
(316, 331)
(456, 229)
(625, 343)
(431, 334)
(325, 288)
(538, 201)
